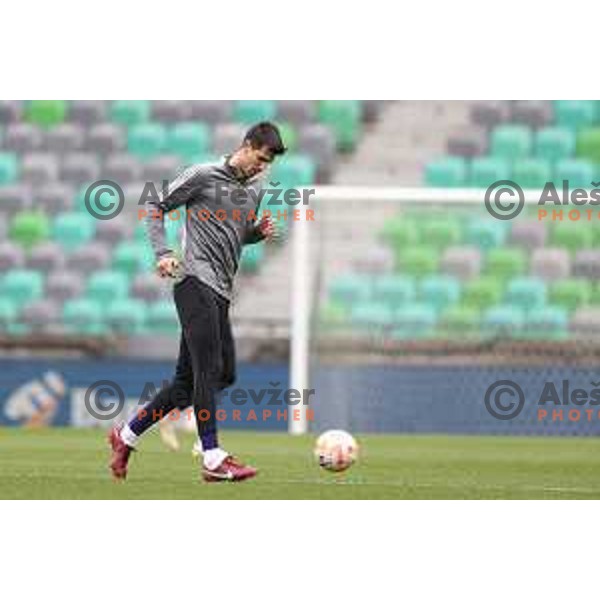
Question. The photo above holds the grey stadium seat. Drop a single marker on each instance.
(299, 112)
(162, 168)
(489, 113)
(62, 285)
(534, 113)
(585, 323)
(112, 231)
(41, 314)
(529, 234)
(148, 287)
(372, 108)
(550, 264)
(105, 138)
(467, 143)
(79, 168)
(66, 137)
(227, 138)
(462, 262)
(122, 168)
(587, 264)
(55, 197)
(377, 259)
(88, 112)
(171, 111)
(89, 258)
(15, 197)
(23, 137)
(47, 257)
(318, 141)
(39, 169)
(210, 111)
(10, 111)
(11, 256)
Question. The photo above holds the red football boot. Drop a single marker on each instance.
(230, 469)
(120, 453)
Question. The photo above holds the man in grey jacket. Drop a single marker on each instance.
(221, 203)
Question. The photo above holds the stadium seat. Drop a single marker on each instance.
(486, 170)
(9, 314)
(504, 321)
(250, 112)
(585, 323)
(83, 316)
(121, 168)
(375, 260)
(450, 171)
(439, 292)
(528, 234)
(506, 262)
(570, 294)
(132, 257)
(289, 135)
(40, 315)
(171, 111)
(571, 236)
(547, 323)
(418, 261)
(89, 258)
(252, 257)
(294, 170)
(460, 321)
(533, 113)
(66, 137)
(490, 113)
(414, 321)
(11, 111)
(46, 112)
(588, 144)
(147, 140)
(345, 119)
(22, 138)
(71, 230)
(400, 232)
(579, 174)
(511, 142)
(9, 170)
(550, 264)
(14, 198)
(298, 112)
(160, 168)
(126, 316)
(318, 142)
(105, 138)
(393, 290)
(486, 233)
(29, 228)
(574, 113)
(554, 144)
(210, 111)
(467, 143)
(22, 285)
(12, 256)
(440, 233)
(147, 287)
(189, 140)
(462, 262)
(87, 112)
(351, 288)
(332, 314)
(112, 231)
(105, 286)
(78, 168)
(532, 173)
(480, 294)
(162, 318)
(526, 293)
(39, 169)
(587, 264)
(130, 112)
(64, 286)
(55, 197)
(46, 257)
(370, 315)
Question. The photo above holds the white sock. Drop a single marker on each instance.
(130, 438)
(198, 446)
(213, 458)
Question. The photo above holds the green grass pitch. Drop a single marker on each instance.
(69, 463)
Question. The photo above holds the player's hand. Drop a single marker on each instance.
(267, 228)
(168, 266)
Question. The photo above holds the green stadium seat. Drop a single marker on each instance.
(130, 112)
(393, 290)
(595, 296)
(83, 316)
(547, 323)
(554, 143)
(526, 293)
(294, 170)
(188, 140)
(414, 321)
(572, 236)
(511, 142)
(504, 263)
(418, 261)
(20, 286)
(440, 292)
(579, 173)
(351, 289)
(250, 112)
(252, 257)
(9, 314)
(532, 173)
(106, 286)
(486, 233)
(400, 232)
(132, 257)
(332, 313)
(46, 112)
(574, 113)
(368, 315)
(450, 171)
(460, 320)
(486, 170)
(570, 294)
(126, 316)
(147, 140)
(440, 233)
(29, 228)
(345, 119)
(162, 318)
(588, 144)
(289, 135)
(72, 230)
(503, 320)
(480, 294)
(9, 168)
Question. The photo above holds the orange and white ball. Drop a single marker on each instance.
(336, 450)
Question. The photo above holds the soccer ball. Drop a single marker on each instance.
(336, 450)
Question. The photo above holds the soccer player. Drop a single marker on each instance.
(212, 249)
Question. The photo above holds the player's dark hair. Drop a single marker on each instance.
(265, 134)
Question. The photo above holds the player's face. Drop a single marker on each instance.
(254, 161)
